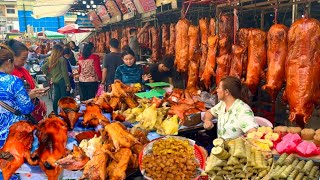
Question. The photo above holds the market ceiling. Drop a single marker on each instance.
(84, 5)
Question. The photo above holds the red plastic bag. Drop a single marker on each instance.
(307, 149)
(288, 144)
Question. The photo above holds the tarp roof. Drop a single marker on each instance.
(51, 35)
(51, 8)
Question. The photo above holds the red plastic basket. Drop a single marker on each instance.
(197, 152)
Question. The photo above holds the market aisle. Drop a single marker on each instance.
(48, 103)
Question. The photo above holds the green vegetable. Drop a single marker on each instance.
(289, 159)
(300, 165)
(276, 175)
(295, 162)
(286, 172)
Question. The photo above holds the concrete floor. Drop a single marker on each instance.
(48, 103)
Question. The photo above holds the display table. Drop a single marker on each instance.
(34, 172)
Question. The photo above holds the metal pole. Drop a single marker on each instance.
(294, 11)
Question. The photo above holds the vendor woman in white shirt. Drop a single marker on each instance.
(235, 117)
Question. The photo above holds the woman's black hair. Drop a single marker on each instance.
(87, 50)
(168, 61)
(236, 88)
(16, 46)
(5, 54)
(66, 51)
(127, 50)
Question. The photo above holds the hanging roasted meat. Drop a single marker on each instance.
(172, 39)
(93, 115)
(243, 38)
(16, 148)
(165, 38)
(155, 44)
(211, 61)
(182, 45)
(276, 54)
(212, 27)
(52, 136)
(108, 40)
(204, 30)
(193, 34)
(224, 60)
(302, 69)
(69, 111)
(193, 73)
(226, 27)
(124, 42)
(74, 161)
(257, 57)
(238, 55)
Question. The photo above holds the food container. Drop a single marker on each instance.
(192, 119)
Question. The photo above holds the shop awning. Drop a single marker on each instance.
(50, 35)
(51, 8)
(71, 29)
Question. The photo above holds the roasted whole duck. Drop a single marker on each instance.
(257, 57)
(172, 39)
(276, 54)
(119, 135)
(52, 136)
(165, 38)
(302, 69)
(116, 170)
(74, 161)
(69, 111)
(212, 27)
(16, 148)
(204, 29)
(155, 44)
(182, 45)
(93, 116)
(193, 34)
(238, 55)
(211, 61)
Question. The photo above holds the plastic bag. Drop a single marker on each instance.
(100, 90)
(307, 149)
(288, 144)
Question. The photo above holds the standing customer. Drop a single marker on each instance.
(13, 93)
(67, 55)
(89, 72)
(133, 41)
(20, 57)
(56, 70)
(73, 46)
(110, 63)
(129, 72)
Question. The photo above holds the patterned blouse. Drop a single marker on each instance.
(14, 94)
(129, 74)
(89, 69)
(234, 122)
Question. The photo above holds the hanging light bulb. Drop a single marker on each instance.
(91, 2)
(84, 2)
(94, 6)
(83, 14)
(78, 13)
(88, 6)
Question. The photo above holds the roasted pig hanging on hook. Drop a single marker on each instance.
(182, 45)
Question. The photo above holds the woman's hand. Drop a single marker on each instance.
(68, 88)
(34, 93)
(146, 77)
(208, 125)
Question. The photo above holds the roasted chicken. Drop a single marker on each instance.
(102, 101)
(182, 45)
(276, 54)
(257, 57)
(52, 136)
(74, 161)
(119, 135)
(16, 148)
(93, 116)
(116, 170)
(69, 111)
(302, 69)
